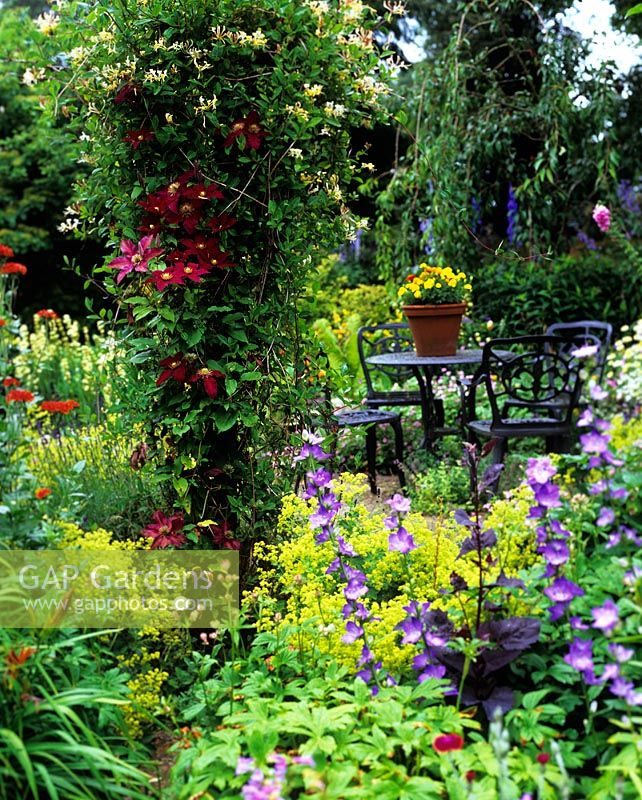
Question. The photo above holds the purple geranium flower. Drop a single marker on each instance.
(547, 494)
(563, 591)
(401, 541)
(580, 654)
(540, 470)
(605, 617)
(399, 503)
(555, 552)
(605, 518)
(594, 442)
(353, 632)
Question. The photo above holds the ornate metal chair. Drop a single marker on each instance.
(533, 386)
(393, 337)
(370, 419)
(586, 332)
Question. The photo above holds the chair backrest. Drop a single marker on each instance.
(531, 373)
(393, 337)
(586, 332)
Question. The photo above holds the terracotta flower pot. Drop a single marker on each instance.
(435, 329)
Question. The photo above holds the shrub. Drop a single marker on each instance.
(525, 297)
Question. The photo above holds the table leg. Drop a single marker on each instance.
(427, 407)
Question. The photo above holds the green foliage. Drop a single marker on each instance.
(527, 296)
(59, 722)
(194, 75)
(38, 156)
(495, 109)
(439, 488)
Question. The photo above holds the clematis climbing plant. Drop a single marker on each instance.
(191, 120)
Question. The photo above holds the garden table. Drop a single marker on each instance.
(425, 369)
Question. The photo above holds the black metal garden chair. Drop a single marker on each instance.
(393, 337)
(533, 387)
(588, 332)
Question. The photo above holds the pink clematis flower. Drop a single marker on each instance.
(135, 258)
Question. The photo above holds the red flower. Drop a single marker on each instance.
(250, 128)
(173, 367)
(221, 222)
(543, 758)
(210, 378)
(170, 276)
(149, 225)
(222, 537)
(135, 257)
(137, 137)
(470, 775)
(165, 531)
(129, 93)
(42, 492)
(5, 251)
(15, 660)
(13, 268)
(447, 742)
(11, 382)
(199, 245)
(47, 313)
(3, 322)
(193, 272)
(19, 396)
(188, 213)
(59, 406)
(202, 192)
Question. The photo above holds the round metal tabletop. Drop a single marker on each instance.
(408, 358)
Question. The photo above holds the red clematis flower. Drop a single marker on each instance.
(13, 268)
(135, 257)
(188, 213)
(165, 531)
(149, 225)
(154, 204)
(250, 128)
(19, 396)
(59, 406)
(448, 742)
(193, 272)
(221, 222)
(200, 245)
(6, 251)
(47, 313)
(11, 382)
(170, 276)
(210, 379)
(217, 259)
(202, 192)
(173, 367)
(222, 536)
(128, 93)
(137, 137)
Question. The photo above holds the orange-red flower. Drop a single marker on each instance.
(3, 322)
(5, 251)
(15, 660)
(19, 396)
(47, 313)
(42, 492)
(447, 742)
(11, 382)
(13, 268)
(59, 406)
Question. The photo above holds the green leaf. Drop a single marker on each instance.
(635, 10)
